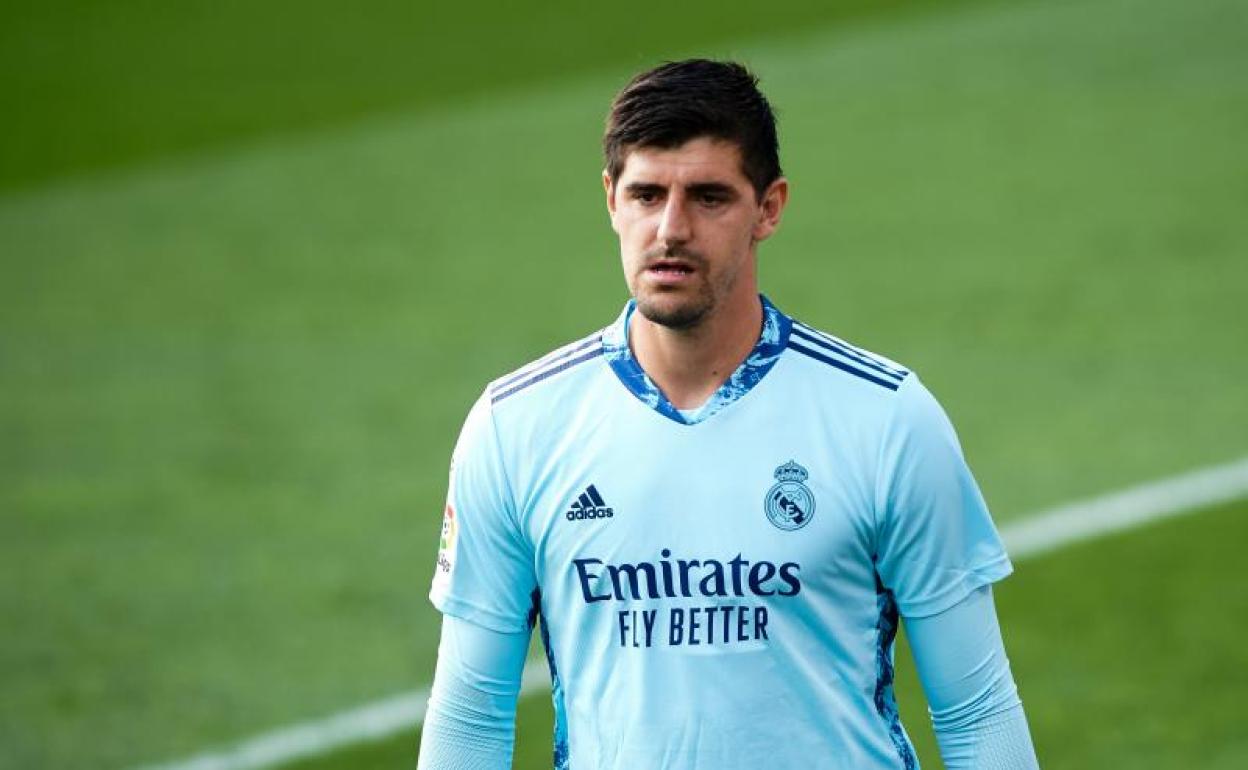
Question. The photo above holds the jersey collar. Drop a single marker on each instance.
(771, 343)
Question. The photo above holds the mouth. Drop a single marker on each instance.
(669, 270)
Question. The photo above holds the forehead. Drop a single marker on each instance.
(698, 160)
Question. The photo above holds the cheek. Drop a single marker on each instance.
(633, 231)
(738, 236)
(631, 246)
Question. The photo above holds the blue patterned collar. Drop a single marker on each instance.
(771, 343)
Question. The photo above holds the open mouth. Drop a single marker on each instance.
(670, 269)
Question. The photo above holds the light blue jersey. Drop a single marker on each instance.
(717, 588)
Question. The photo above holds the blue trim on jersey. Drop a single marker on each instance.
(847, 351)
(498, 393)
(885, 700)
(844, 367)
(771, 344)
(561, 756)
(567, 351)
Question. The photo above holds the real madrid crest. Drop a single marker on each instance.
(790, 504)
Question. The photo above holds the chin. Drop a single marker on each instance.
(672, 315)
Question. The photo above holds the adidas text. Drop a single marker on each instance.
(589, 513)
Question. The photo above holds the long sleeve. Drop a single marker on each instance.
(976, 711)
(470, 723)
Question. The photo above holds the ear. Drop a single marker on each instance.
(775, 197)
(609, 187)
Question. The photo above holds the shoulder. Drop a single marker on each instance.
(538, 375)
(844, 363)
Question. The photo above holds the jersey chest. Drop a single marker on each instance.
(753, 508)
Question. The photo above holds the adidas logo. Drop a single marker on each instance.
(589, 505)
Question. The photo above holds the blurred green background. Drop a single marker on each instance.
(257, 259)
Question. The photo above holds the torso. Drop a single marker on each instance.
(716, 603)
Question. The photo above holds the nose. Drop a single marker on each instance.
(674, 226)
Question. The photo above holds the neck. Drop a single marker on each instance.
(688, 365)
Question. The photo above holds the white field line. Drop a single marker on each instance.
(1044, 531)
(1056, 527)
(372, 721)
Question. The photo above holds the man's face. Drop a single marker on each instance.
(688, 221)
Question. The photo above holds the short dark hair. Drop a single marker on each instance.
(683, 100)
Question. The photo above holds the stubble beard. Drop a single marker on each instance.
(681, 317)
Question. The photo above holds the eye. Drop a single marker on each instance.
(646, 197)
(712, 199)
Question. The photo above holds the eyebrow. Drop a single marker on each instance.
(713, 188)
(635, 188)
(697, 188)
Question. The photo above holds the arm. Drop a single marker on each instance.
(975, 708)
(485, 587)
(470, 723)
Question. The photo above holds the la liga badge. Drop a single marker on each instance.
(446, 545)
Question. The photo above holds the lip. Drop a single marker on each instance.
(670, 270)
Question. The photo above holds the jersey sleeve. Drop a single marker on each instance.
(935, 540)
(976, 713)
(484, 572)
(470, 722)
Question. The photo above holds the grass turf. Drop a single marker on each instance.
(106, 85)
(229, 383)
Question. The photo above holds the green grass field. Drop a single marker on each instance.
(100, 86)
(244, 306)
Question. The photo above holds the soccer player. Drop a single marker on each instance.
(715, 514)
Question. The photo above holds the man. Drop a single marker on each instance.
(716, 513)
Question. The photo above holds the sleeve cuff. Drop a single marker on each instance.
(954, 592)
(481, 616)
